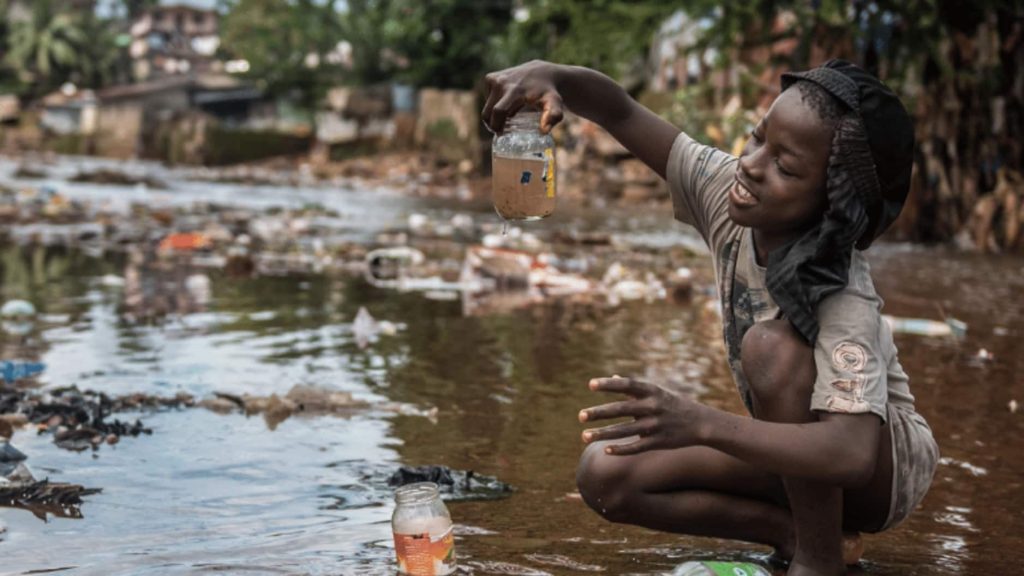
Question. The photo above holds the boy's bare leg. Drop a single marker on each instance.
(779, 367)
(730, 498)
(697, 490)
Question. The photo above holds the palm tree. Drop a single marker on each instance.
(49, 47)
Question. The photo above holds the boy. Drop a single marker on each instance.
(835, 444)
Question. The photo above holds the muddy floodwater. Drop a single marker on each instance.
(226, 493)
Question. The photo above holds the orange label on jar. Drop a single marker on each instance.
(425, 555)
(549, 171)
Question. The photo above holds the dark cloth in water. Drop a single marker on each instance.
(454, 484)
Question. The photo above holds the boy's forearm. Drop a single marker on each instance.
(592, 95)
(601, 100)
(840, 452)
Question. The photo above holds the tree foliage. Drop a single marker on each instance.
(284, 41)
(957, 66)
(613, 36)
(442, 43)
(57, 44)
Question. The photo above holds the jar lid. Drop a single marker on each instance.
(527, 118)
(417, 492)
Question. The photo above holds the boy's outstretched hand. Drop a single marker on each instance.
(529, 84)
(662, 419)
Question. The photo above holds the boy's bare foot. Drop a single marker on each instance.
(853, 549)
(798, 569)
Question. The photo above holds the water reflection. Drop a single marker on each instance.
(215, 492)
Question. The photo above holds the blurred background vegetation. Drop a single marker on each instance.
(956, 63)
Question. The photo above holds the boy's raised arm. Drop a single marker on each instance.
(587, 93)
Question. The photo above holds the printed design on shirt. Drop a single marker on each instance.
(734, 327)
(752, 303)
(849, 359)
(703, 159)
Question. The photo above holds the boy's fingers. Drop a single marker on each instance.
(507, 106)
(492, 99)
(552, 112)
(614, 432)
(611, 410)
(635, 447)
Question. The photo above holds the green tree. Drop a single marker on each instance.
(51, 47)
(439, 43)
(134, 8)
(366, 25)
(285, 43)
(613, 36)
(8, 77)
(445, 43)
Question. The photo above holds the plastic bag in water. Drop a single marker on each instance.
(719, 569)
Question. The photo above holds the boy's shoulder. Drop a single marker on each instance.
(856, 305)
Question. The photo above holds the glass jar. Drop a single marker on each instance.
(424, 543)
(523, 169)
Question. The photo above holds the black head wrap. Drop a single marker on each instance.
(867, 183)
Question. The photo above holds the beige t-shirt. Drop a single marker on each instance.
(856, 360)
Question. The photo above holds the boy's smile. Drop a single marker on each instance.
(779, 189)
(740, 195)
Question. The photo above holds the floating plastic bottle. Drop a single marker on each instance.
(719, 569)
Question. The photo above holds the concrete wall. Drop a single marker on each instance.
(126, 127)
(449, 124)
(119, 130)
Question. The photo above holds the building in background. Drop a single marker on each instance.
(171, 40)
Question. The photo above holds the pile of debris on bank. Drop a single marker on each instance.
(450, 258)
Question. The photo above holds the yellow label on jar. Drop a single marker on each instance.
(549, 171)
(425, 555)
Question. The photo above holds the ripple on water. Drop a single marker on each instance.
(561, 561)
(494, 567)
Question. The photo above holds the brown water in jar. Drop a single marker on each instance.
(521, 189)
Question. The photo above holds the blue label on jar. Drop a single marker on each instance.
(525, 179)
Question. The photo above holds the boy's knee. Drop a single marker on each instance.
(603, 483)
(776, 361)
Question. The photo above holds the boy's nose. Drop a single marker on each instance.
(751, 164)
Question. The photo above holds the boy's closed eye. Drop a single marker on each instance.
(757, 136)
(783, 170)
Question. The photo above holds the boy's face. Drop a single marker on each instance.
(781, 173)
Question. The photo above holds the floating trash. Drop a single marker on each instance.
(455, 484)
(112, 281)
(13, 371)
(366, 329)
(719, 569)
(9, 454)
(17, 310)
(185, 242)
(923, 327)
